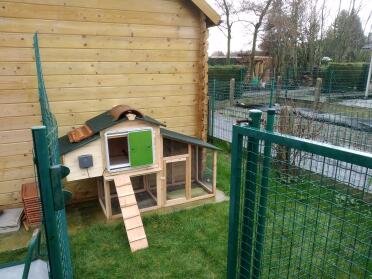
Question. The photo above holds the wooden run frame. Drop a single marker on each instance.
(161, 184)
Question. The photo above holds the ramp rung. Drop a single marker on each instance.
(139, 244)
(123, 191)
(131, 214)
(122, 180)
(133, 222)
(127, 200)
(136, 233)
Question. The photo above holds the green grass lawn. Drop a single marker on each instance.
(185, 244)
(313, 229)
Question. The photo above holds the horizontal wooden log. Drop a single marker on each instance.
(15, 161)
(97, 42)
(94, 93)
(96, 55)
(18, 122)
(15, 136)
(19, 148)
(13, 185)
(76, 81)
(170, 102)
(10, 198)
(97, 68)
(17, 173)
(14, 25)
(184, 17)
(127, 5)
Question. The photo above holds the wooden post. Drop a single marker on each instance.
(106, 185)
(188, 174)
(278, 89)
(214, 180)
(232, 91)
(318, 88)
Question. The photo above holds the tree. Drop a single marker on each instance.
(275, 38)
(260, 11)
(230, 15)
(345, 38)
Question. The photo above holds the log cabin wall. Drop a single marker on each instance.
(96, 54)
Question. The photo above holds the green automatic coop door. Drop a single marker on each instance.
(140, 143)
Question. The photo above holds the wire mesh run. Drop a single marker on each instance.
(299, 212)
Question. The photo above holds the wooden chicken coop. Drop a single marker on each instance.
(163, 167)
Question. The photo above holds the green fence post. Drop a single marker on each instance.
(260, 236)
(234, 211)
(250, 198)
(272, 92)
(39, 136)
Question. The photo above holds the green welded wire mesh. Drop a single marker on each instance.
(49, 121)
(318, 216)
(342, 116)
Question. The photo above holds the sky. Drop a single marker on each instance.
(242, 36)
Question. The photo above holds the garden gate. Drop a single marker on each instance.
(49, 174)
(298, 208)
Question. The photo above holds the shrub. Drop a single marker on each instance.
(344, 77)
(219, 80)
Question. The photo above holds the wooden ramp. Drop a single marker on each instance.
(130, 211)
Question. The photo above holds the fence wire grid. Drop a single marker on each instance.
(301, 213)
(306, 107)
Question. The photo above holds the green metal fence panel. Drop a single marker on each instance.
(322, 108)
(48, 159)
(309, 213)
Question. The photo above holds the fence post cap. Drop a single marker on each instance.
(271, 111)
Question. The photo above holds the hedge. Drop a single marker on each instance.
(344, 77)
(219, 80)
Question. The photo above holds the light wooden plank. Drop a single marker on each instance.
(20, 122)
(151, 103)
(14, 25)
(122, 180)
(94, 93)
(125, 190)
(136, 234)
(13, 185)
(97, 68)
(139, 244)
(97, 55)
(212, 15)
(10, 198)
(184, 116)
(77, 81)
(127, 5)
(15, 161)
(132, 223)
(16, 173)
(130, 211)
(127, 201)
(15, 136)
(23, 10)
(9, 149)
(97, 42)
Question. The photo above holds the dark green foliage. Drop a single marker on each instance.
(221, 61)
(345, 38)
(344, 77)
(227, 72)
(219, 80)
